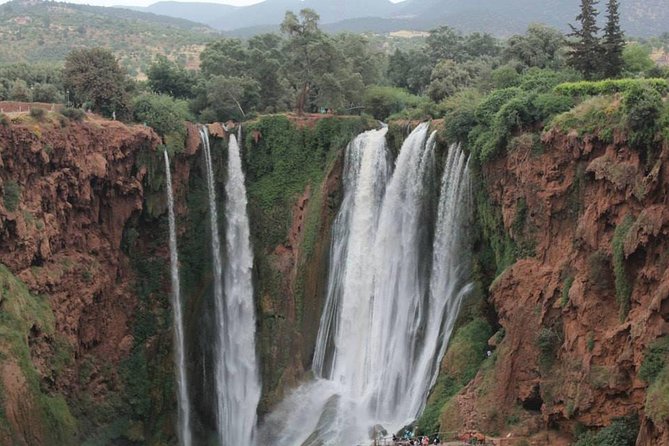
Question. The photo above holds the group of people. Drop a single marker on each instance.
(409, 439)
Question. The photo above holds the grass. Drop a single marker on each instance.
(622, 281)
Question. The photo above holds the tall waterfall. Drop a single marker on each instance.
(184, 432)
(236, 369)
(240, 374)
(394, 291)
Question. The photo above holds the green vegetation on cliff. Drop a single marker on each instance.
(43, 413)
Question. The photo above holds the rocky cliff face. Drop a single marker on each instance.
(583, 302)
(68, 191)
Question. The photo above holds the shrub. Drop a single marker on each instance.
(46, 93)
(460, 115)
(74, 114)
(657, 398)
(37, 113)
(643, 108)
(4, 120)
(610, 86)
(622, 432)
(654, 359)
(564, 298)
(11, 195)
(547, 341)
(623, 286)
(381, 102)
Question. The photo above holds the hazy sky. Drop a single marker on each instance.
(148, 2)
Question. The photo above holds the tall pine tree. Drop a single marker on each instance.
(585, 54)
(613, 42)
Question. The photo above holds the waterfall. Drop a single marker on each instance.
(394, 290)
(236, 369)
(241, 376)
(183, 408)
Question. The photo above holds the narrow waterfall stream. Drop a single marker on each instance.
(236, 368)
(183, 402)
(241, 392)
(394, 291)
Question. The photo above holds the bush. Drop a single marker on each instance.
(381, 102)
(74, 114)
(654, 359)
(37, 113)
(610, 86)
(548, 340)
(643, 107)
(4, 120)
(623, 286)
(11, 195)
(46, 93)
(622, 432)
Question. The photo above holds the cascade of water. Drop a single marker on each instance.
(390, 305)
(241, 375)
(184, 432)
(217, 271)
(365, 175)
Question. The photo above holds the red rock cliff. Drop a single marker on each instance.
(570, 355)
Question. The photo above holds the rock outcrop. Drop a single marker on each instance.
(586, 298)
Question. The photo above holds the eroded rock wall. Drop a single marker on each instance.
(584, 295)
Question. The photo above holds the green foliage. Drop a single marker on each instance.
(19, 91)
(585, 49)
(613, 42)
(166, 77)
(94, 75)
(622, 281)
(75, 114)
(655, 359)
(541, 46)
(636, 59)
(43, 92)
(448, 77)
(548, 340)
(643, 107)
(11, 195)
(20, 312)
(41, 44)
(460, 114)
(166, 116)
(622, 432)
(564, 296)
(596, 116)
(37, 113)
(657, 398)
(610, 86)
(466, 353)
(381, 102)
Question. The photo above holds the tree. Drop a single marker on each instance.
(165, 115)
(445, 43)
(229, 97)
(541, 46)
(311, 56)
(225, 57)
(613, 42)
(637, 59)
(410, 70)
(449, 77)
(19, 91)
(167, 77)
(94, 75)
(585, 53)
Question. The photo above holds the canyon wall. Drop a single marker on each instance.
(573, 251)
(85, 320)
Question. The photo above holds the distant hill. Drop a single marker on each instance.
(32, 31)
(196, 12)
(640, 18)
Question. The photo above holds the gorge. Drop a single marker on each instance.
(522, 267)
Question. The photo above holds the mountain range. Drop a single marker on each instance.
(639, 18)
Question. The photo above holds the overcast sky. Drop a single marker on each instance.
(149, 2)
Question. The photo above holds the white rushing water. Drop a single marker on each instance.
(392, 296)
(241, 375)
(183, 409)
(236, 369)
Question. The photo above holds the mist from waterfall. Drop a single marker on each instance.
(236, 372)
(395, 286)
(183, 403)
